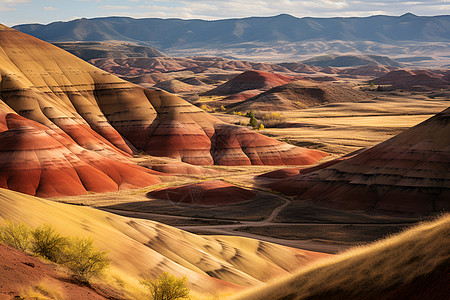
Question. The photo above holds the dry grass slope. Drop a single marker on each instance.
(411, 265)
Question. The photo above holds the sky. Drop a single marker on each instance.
(14, 12)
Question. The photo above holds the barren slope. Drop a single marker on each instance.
(146, 248)
(89, 108)
(250, 80)
(299, 95)
(406, 174)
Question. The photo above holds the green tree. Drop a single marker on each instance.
(253, 122)
(47, 242)
(83, 258)
(168, 287)
(16, 236)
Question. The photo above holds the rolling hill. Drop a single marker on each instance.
(407, 174)
(250, 80)
(411, 265)
(139, 248)
(66, 103)
(299, 95)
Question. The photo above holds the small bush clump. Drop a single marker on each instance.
(81, 257)
(16, 236)
(272, 119)
(77, 254)
(48, 243)
(167, 287)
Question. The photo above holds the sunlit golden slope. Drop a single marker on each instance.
(412, 265)
(146, 248)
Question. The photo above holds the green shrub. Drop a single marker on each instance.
(47, 242)
(168, 287)
(16, 236)
(81, 257)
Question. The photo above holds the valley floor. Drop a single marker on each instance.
(337, 129)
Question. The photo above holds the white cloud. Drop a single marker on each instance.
(10, 5)
(218, 9)
(114, 7)
(50, 8)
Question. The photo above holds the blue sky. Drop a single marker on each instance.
(13, 12)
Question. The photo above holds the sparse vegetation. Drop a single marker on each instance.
(253, 122)
(77, 254)
(167, 287)
(81, 257)
(43, 290)
(15, 236)
(47, 242)
(272, 119)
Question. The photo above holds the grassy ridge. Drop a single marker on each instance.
(411, 265)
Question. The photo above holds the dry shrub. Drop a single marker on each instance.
(272, 119)
(47, 242)
(168, 287)
(77, 254)
(16, 236)
(81, 257)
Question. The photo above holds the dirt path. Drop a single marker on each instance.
(233, 229)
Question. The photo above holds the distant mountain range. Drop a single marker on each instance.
(269, 36)
(165, 33)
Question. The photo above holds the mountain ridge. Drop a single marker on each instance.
(284, 27)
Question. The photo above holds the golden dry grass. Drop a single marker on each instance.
(345, 127)
(414, 261)
(44, 290)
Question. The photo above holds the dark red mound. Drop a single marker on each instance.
(409, 173)
(39, 161)
(299, 95)
(233, 145)
(250, 80)
(20, 272)
(409, 79)
(215, 192)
